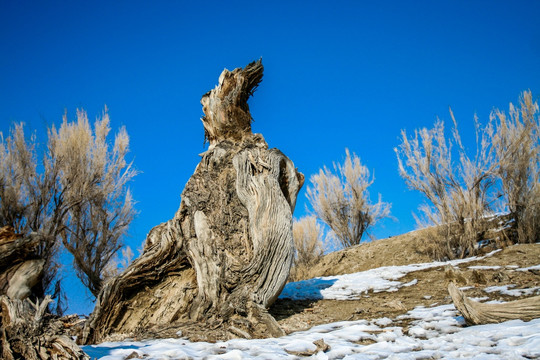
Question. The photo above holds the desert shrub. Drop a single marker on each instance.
(77, 197)
(462, 194)
(309, 246)
(341, 200)
(516, 141)
(457, 191)
(27, 198)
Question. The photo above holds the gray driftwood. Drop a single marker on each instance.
(215, 267)
(476, 313)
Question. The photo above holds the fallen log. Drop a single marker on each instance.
(476, 313)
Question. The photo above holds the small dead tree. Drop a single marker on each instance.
(516, 141)
(341, 200)
(215, 267)
(457, 191)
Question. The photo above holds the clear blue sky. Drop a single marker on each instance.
(337, 74)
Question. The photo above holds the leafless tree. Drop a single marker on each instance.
(79, 197)
(94, 180)
(341, 200)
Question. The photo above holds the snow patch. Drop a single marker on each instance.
(434, 332)
(536, 267)
(353, 286)
(505, 290)
(484, 267)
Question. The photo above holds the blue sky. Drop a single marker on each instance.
(337, 74)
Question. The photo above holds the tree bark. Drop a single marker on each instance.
(20, 269)
(222, 260)
(27, 330)
(476, 313)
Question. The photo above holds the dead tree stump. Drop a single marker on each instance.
(20, 268)
(27, 329)
(222, 260)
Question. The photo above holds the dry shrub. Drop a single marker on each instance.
(462, 194)
(517, 144)
(308, 241)
(28, 199)
(341, 200)
(78, 197)
(94, 180)
(457, 191)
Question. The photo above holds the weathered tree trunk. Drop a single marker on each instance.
(214, 269)
(20, 269)
(29, 333)
(27, 330)
(476, 313)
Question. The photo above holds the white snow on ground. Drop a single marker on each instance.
(484, 267)
(505, 290)
(435, 332)
(536, 267)
(353, 286)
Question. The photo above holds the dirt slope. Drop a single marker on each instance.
(431, 286)
(410, 248)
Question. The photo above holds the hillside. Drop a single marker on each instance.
(410, 248)
(500, 273)
(389, 300)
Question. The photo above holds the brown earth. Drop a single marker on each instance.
(430, 289)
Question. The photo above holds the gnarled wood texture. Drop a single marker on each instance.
(476, 313)
(222, 260)
(20, 268)
(28, 332)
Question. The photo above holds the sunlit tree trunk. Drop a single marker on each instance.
(222, 260)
